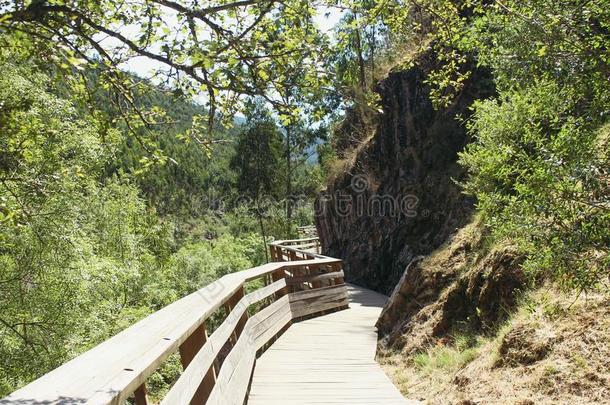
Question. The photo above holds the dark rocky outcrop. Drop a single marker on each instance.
(398, 199)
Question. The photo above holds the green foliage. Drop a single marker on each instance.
(564, 41)
(82, 253)
(359, 41)
(539, 164)
(538, 174)
(448, 358)
(70, 246)
(257, 157)
(178, 170)
(215, 51)
(198, 264)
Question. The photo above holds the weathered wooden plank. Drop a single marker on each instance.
(234, 376)
(258, 319)
(314, 278)
(311, 294)
(312, 301)
(330, 295)
(238, 384)
(223, 392)
(257, 272)
(326, 360)
(337, 304)
(268, 324)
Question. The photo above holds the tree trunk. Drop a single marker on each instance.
(372, 59)
(288, 175)
(361, 66)
(259, 214)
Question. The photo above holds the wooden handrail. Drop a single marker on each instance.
(295, 249)
(217, 368)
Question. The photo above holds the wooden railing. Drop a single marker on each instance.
(296, 249)
(216, 368)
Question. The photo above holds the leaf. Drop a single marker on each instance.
(542, 51)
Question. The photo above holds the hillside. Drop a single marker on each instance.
(453, 154)
(479, 201)
(462, 328)
(401, 183)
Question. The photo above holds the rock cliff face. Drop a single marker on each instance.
(398, 199)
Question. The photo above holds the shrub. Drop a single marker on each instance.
(541, 179)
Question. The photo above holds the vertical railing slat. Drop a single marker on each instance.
(140, 395)
(188, 350)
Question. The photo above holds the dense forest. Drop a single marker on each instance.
(121, 192)
(106, 219)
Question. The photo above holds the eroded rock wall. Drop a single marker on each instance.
(398, 199)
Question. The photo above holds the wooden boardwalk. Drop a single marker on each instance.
(327, 360)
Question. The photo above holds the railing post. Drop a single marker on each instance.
(314, 270)
(278, 275)
(337, 267)
(188, 349)
(244, 318)
(231, 303)
(277, 253)
(140, 395)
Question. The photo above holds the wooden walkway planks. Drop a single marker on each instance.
(327, 360)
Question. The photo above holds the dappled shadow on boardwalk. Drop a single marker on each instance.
(60, 400)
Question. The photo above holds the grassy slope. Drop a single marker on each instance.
(553, 348)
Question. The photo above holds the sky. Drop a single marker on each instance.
(144, 66)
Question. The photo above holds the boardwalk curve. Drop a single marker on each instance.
(312, 336)
(327, 360)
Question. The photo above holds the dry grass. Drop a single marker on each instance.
(554, 349)
(345, 164)
(464, 248)
(399, 56)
